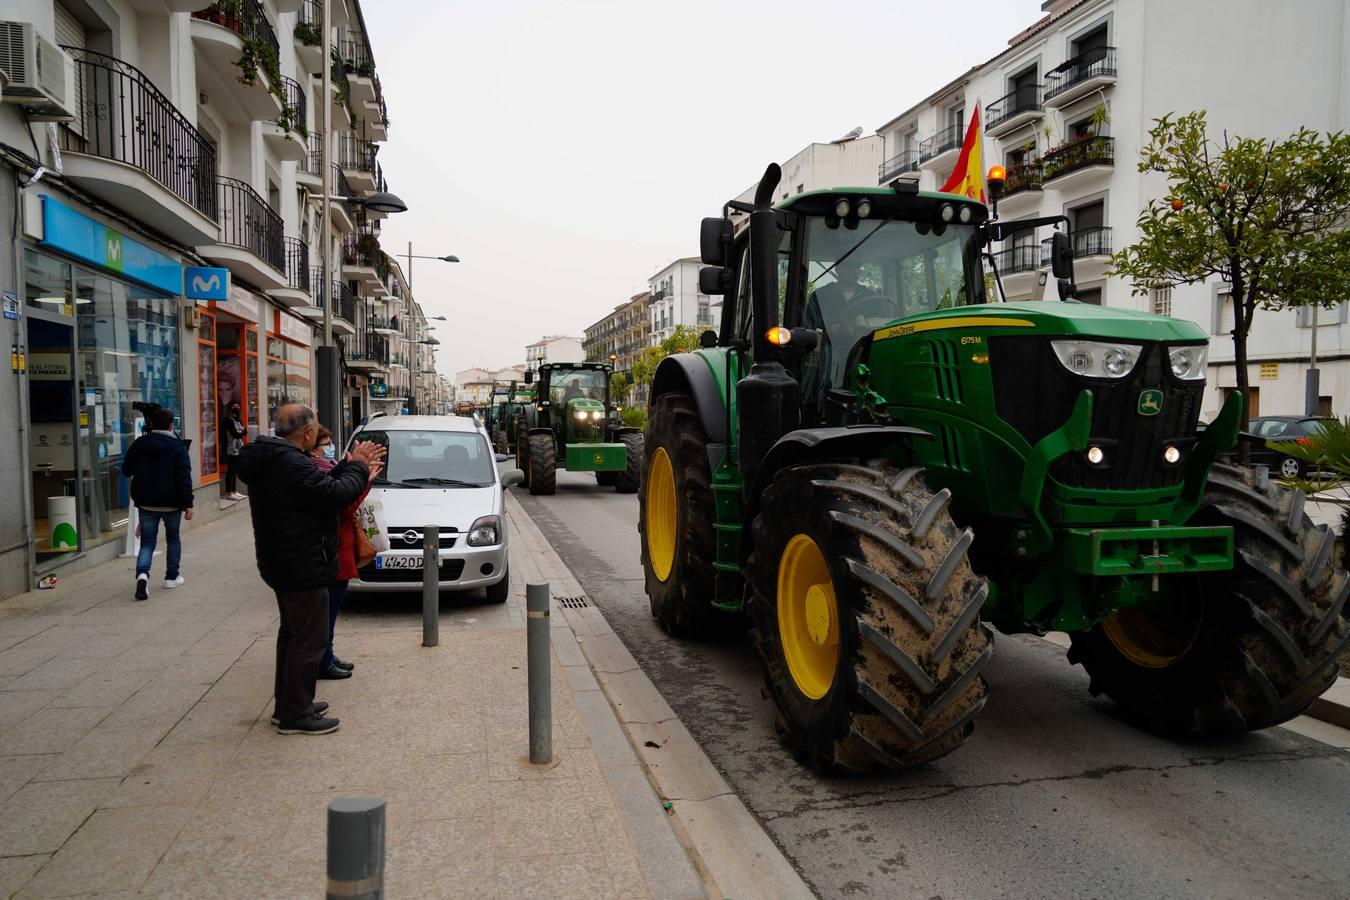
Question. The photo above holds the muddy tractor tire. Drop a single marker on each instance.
(866, 616)
(1233, 651)
(523, 454)
(676, 516)
(543, 463)
(630, 479)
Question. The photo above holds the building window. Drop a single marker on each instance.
(1224, 322)
(288, 376)
(1162, 301)
(207, 430)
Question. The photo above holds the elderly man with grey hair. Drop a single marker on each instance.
(295, 507)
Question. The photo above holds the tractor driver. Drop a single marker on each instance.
(841, 311)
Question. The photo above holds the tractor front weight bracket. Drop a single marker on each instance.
(1071, 436)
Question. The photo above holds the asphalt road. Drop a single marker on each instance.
(1053, 796)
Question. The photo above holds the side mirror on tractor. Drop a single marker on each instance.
(707, 339)
(714, 280)
(529, 376)
(1061, 256)
(714, 237)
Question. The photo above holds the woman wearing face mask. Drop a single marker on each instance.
(235, 435)
(325, 457)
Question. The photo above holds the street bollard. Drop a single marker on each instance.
(431, 588)
(356, 848)
(540, 672)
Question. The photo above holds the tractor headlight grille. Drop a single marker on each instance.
(1136, 417)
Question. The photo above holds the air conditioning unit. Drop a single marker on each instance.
(41, 74)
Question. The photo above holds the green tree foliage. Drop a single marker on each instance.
(682, 340)
(635, 416)
(618, 387)
(1267, 217)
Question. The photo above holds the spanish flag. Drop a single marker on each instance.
(968, 176)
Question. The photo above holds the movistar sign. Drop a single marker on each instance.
(202, 283)
(79, 236)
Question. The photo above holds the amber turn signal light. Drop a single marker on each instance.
(997, 173)
(779, 336)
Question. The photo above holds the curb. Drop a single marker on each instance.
(731, 850)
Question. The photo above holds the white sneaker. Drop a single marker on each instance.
(236, 496)
(174, 582)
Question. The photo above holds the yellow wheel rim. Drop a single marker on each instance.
(808, 617)
(661, 524)
(1154, 639)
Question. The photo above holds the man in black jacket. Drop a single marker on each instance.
(161, 487)
(295, 506)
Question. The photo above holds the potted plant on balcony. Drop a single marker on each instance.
(309, 33)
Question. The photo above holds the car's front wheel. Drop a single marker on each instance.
(497, 593)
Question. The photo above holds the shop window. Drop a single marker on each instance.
(209, 448)
(288, 375)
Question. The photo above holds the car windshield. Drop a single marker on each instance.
(436, 458)
(860, 279)
(566, 385)
(1268, 427)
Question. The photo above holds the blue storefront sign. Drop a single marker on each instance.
(204, 283)
(78, 235)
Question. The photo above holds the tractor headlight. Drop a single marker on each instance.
(485, 532)
(1097, 359)
(1188, 363)
(598, 415)
(580, 415)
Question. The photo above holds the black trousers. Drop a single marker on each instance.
(231, 475)
(302, 639)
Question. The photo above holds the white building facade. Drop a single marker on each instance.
(1067, 108)
(675, 300)
(554, 348)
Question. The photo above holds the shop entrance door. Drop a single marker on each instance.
(53, 447)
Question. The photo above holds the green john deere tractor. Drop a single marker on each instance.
(872, 459)
(573, 425)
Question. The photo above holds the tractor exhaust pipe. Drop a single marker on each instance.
(768, 404)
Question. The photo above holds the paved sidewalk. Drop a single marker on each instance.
(136, 756)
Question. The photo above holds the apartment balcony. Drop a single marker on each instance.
(367, 352)
(340, 212)
(309, 169)
(903, 165)
(250, 242)
(1091, 251)
(941, 149)
(1077, 161)
(136, 151)
(378, 390)
(296, 293)
(289, 134)
(356, 156)
(375, 117)
(1022, 188)
(308, 36)
(1010, 112)
(359, 63)
(362, 258)
(1018, 268)
(1089, 71)
(219, 35)
(344, 115)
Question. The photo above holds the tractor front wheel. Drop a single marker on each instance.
(630, 479)
(543, 463)
(676, 516)
(1234, 651)
(523, 455)
(866, 616)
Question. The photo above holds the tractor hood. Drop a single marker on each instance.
(1052, 317)
(584, 404)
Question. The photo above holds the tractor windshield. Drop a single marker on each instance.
(565, 386)
(858, 280)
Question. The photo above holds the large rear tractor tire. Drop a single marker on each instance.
(543, 464)
(866, 616)
(1234, 651)
(523, 455)
(630, 479)
(675, 517)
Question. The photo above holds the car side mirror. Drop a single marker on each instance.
(714, 280)
(512, 477)
(707, 339)
(714, 236)
(529, 376)
(1061, 256)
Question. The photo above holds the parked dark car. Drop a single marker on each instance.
(1276, 430)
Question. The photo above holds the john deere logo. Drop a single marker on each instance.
(599, 459)
(1150, 403)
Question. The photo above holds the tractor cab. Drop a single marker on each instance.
(573, 426)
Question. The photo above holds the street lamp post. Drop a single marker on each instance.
(410, 257)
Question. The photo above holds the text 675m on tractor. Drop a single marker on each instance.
(574, 425)
(873, 460)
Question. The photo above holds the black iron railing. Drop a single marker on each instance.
(247, 221)
(295, 114)
(948, 138)
(312, 164)
(126, 118)
(356, 56)
(355, 154)
(1026, 98)
(1022, 258)
(362, 250)
(341, 187)
(297, 264)
(246, 19)
(342, 82)
(1025, 176)
(1079, 153)
(1093, 241)
(1094, 63)
(309, 24)
(908, 161)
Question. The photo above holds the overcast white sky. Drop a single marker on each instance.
(565, 151)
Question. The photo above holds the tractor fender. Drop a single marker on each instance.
(690, 372)
(818, 444)
(534, 430)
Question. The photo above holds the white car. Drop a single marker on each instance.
(441, 471)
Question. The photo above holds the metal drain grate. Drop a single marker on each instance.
(572, 602)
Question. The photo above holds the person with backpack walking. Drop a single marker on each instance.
(161, 487)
